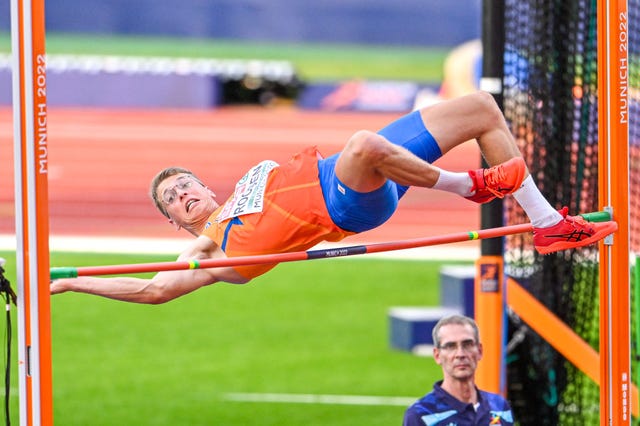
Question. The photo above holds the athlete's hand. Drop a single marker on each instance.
(58, 286)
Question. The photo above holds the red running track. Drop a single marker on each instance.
(101, 162)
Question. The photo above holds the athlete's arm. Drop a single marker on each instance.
(163, 287)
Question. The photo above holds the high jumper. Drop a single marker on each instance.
(294, 206)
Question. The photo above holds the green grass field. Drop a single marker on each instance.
(317, 328)
(314, 62)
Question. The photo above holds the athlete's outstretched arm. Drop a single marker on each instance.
(163, 287)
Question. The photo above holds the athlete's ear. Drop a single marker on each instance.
(213, 194)
(175, 225)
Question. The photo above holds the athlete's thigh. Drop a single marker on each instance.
(353, 210)
(455, 121)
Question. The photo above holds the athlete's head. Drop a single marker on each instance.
(161, 177)
(183, 199)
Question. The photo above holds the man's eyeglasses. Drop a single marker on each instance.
(170, 194)
(465, 345)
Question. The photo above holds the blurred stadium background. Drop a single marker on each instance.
(191, 80)
(375, 22)
(386, 26)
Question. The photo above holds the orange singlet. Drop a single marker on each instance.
(293, 215)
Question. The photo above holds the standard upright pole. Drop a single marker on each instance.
(32, 214)
(613, 182)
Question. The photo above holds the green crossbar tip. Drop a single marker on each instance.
(597, 216)
(63, 272)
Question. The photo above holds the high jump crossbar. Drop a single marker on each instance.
(73, 272)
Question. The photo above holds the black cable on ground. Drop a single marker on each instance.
(9, 296)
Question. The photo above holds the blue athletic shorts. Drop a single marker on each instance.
(361, 211)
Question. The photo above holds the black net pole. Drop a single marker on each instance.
(493, 37)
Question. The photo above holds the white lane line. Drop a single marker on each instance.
(176, 245)
(288, 398)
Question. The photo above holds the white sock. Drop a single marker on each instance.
(540, 212)
(458, 183)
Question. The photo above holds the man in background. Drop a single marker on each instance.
(455, 400)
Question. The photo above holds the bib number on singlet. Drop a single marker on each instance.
(248, 197)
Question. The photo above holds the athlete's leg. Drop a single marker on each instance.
(362, 184)
(369, 159)
(478, 117)
(353, 210)
(475, 116)
(370, 162)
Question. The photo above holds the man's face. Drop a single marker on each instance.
(458, 353)
(187, 202)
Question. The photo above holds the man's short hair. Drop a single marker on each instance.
(159, 178)
(454, 319)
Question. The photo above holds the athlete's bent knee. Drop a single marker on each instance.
(488, 105)
(368, 146)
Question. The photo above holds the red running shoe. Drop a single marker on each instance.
(497, 181)
(570, 232)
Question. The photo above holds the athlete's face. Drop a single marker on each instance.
(458, 351)
(187, 202)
